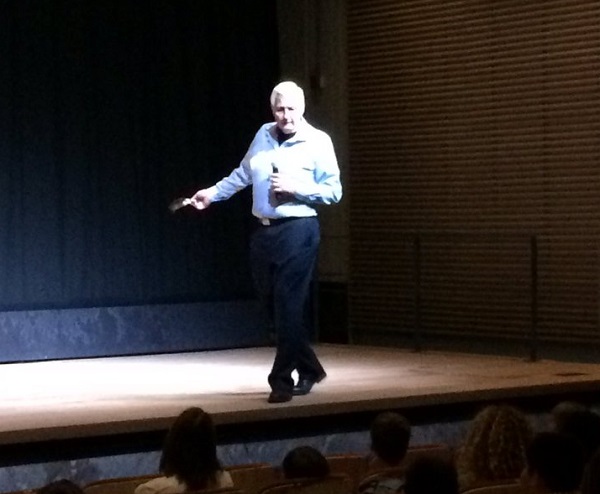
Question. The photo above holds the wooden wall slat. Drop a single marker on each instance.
(466, 118)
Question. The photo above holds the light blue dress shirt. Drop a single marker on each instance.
(308, 157)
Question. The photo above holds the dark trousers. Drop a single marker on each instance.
(283, 258)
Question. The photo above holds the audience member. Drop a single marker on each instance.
(564, 409)
(494, 448)
(304, 462)
(62, 486)
(583, 425)
(189, 457)
(431, 475)
(555, 464)
(390, 435)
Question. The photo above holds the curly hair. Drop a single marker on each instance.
(495, 446)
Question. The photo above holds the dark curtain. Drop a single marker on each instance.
(108, 111)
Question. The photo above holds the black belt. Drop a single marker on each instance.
(279, 221)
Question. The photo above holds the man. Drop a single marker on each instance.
(292, 167)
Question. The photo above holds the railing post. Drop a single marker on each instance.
(417, 280)
(533, 335)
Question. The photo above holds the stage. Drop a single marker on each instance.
(89, 419)
(67, 399)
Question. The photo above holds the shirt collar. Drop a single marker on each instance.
(301, 131)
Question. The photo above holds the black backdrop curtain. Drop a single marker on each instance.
(108, 110)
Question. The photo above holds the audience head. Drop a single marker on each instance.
(431, 475)
(583, 425)
(62, 486)
(390, 435)
(305, 462)
(190, 449)
(562, 410)
(495, 446)
(554, 463)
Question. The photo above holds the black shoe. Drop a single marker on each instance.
(305, 385)
(278, 397)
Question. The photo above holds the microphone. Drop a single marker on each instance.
(277, 195)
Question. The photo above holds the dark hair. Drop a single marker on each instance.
(427, 474)
(390, 435)
(305, 462)
(563, 409)
(557, 459)
(583, 425)
(62, 486)
(190, 450)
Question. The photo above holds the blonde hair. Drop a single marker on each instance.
(288, 89)
(495, 446)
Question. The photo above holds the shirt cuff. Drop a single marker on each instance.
(212, 193)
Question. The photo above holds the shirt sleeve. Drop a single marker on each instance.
(237, 180)
(326, 187)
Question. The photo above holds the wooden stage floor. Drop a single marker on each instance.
(71, 399)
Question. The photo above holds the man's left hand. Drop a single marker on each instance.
(283, 184)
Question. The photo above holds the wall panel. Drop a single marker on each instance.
(474, 132)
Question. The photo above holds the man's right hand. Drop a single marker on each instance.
(200, 199)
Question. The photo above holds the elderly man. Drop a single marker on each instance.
(292, 167)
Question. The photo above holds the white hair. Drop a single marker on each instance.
(290, 90)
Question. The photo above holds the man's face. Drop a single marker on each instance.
(287, 113)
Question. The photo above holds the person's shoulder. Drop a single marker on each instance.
(387, 485)
(224, 479)
(263, 134)
(161, 485)
(265, 128)
(312, 132)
